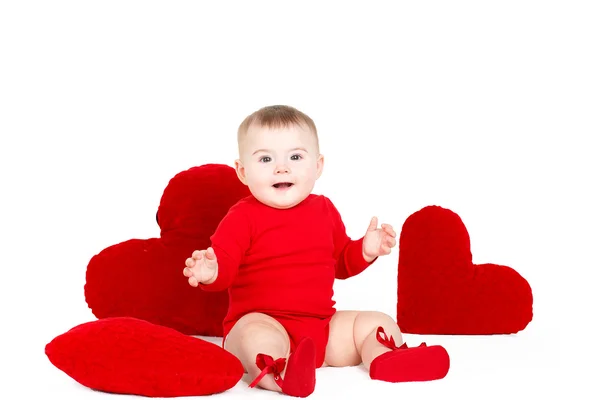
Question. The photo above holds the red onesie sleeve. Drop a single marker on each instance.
(348, 252)
(230, 242)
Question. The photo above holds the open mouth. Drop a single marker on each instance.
(283, 185)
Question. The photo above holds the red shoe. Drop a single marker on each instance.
(300, 376)
(406, 364)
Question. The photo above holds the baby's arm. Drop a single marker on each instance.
(229, 244)
(348, 252)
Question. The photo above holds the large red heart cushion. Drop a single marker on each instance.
(143, 278)
(131, 356)
(441, 291)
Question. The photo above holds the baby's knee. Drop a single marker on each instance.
(256, 330)
(261, 331)
(368, 321)
(374, 319)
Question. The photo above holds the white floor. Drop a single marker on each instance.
(527, 364)
(493, 367)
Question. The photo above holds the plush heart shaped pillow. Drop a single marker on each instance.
(143, 278)
(131, 356)
(441, 291)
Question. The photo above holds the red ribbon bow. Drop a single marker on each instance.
(268, 365)
(388, 341)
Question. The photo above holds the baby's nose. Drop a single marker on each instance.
(281, 169)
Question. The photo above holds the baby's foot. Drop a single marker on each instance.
(300, 374)
(406, 364)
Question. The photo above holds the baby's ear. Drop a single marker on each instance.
(320, 164)
(241, 172)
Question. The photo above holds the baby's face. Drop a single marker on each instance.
(280, 166)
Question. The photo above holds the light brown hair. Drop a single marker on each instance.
(277, 116)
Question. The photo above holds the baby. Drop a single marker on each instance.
(278, 252)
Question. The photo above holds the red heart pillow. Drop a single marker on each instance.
(143, 278)
(131, 356)
(441, 291)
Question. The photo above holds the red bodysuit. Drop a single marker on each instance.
(283, 262)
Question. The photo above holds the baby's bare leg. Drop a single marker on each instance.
(258, 333)
(341, 350)
(365, 334)
(352, 337)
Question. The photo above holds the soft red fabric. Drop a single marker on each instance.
(284, 262)
(409, 364)
(143, 278)
(300, 374)
(441, 291)
(131, 356)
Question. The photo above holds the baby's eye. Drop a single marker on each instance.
(296, 157)
(265, 159)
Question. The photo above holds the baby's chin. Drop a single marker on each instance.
(281, 204)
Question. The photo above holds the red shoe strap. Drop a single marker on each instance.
(268, 365)
(389, 341)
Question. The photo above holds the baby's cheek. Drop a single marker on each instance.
(257, 176)
(306, 174)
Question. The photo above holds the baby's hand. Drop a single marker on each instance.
(378, 241)
(201, 267)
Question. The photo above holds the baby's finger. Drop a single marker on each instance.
(385, 250)
(187, 272)
(391, 242)
(389, 229)
(189, 262)
(192, 281)
(210, 254)
(197, 255)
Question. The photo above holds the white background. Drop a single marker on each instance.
(490, 109)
